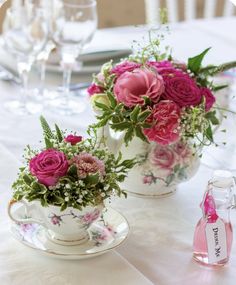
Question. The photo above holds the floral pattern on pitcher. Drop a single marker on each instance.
(86, 219)
(166, 164)
(101, 236)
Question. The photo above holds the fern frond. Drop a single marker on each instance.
(59, 133)
(47, 132)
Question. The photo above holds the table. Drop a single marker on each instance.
(159, 247)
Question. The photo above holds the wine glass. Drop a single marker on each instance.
(74, 24)
(25, 32)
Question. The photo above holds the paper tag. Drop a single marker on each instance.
(216, 241)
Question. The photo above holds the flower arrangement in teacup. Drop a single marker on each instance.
(162, 101)
(63, 186)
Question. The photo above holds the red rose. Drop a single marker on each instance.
(73, 139)
(180, 88)
(209, 97)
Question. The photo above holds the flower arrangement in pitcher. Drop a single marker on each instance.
(152, 96)
(70, 171)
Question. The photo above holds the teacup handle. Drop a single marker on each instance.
(22, 221)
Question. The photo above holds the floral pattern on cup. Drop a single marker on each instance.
(166, 164)
(100, 237)
(86, 219)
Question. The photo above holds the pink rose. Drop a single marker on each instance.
(163, 157)
(183, 151)
(131, 87)
(209, 97)
(88, 164)
(73, 139)
(180, 88)
(94, 89)
(160, 65)
(124, 66)
(165, 123)
(48, 166)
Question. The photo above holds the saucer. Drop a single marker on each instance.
(104, 235)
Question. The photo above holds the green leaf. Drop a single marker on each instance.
(143, 116)
(27, 179)
(169, 179)
(48, 144)
(194, 63)
(72, 170)
(46, 129)
(219, 87)
(129, 135)
(112, 99)
(139, 133)
(120, 126)
(92, 179)
(212, 117)
(134, 114)
(209, 134)
(59, 133)
(102, 106)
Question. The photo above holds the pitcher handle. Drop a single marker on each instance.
(22, 220)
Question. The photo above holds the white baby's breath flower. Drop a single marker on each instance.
(79, 200)
(68, 186)
(67, 199)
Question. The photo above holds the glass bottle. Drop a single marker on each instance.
(213, 234)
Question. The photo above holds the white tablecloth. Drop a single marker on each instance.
(159, 247)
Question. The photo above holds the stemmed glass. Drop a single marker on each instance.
(74, 24)
(25, 33)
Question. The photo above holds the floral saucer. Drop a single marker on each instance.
(105, 235)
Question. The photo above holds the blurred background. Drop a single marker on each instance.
(113, 13)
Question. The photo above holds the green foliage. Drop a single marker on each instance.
(194, 63)
(72, 190)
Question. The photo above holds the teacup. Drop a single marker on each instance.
(68, 227)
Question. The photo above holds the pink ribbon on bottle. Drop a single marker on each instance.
(209, 208)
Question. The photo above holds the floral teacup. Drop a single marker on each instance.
(68, 227)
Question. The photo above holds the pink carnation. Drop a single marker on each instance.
(87, 164)
(94, 89)
(165, 119)
(180, 88)
(124, 66)
(209, 97)
(48, 166)
(72, 139)
(131, 87)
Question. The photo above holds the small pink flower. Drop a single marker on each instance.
(124, 66)
(147, 179)
(91, 217)
(165, 123)
(94, 89)
(131, 87)
(73, 139)
(163, 157)
(56, 220)
(209, 97)
(87, 164)
(48, 166)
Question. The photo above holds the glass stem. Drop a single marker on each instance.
(23, 70)
(42, 76)
(66, 82)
